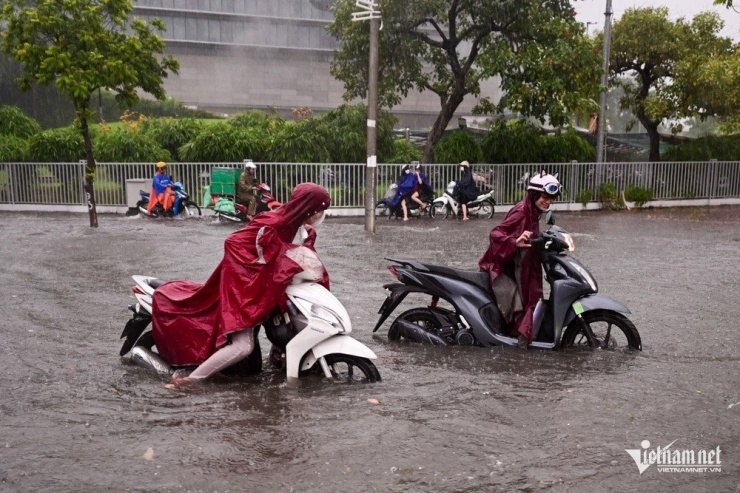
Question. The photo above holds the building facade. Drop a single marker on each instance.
(266, 54)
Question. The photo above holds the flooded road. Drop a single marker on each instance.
(458, 419)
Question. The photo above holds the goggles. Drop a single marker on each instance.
(552, 188)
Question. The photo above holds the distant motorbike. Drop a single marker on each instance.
(310, 337)
(483, 206)
(182, 206)
(384, 208)
(574, 314)
(228, 210)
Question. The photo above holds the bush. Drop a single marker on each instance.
(299, 142)
(58, 145)
(565, 147)
(124, 145)
(608, 196)
(345, 131)
(721, 148)
(254, 119)
(12, 149)
(585, 196)
(459, 146)
(171, 133)
(221, 142)
(14, 123)
(639, 195)
(405, 152)
(512, 142)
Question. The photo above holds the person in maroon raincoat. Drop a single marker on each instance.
(514, 269)
(211, 324)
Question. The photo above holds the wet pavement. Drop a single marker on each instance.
(458, 419)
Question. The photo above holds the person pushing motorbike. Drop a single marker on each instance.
(514, 269)
(211, 325)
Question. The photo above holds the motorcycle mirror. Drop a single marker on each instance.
(550, 219)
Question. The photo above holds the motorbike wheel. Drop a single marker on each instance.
(381, 210)
(418, 316)
(352, 369)
(485, 210)
(438, 211)
(190, 208)
(602, 323)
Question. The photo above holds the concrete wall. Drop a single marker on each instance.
(242, 54)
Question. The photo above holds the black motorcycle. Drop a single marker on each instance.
(574, 315)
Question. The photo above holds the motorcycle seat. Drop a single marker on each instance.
(480, 279)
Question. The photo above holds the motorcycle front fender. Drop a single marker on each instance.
(441, 200)
(397, 294)
(338, 344)
(590, 303)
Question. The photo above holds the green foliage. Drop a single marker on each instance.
(608, 196)
(222, 142)
(58, 145)
(512, 142)
(254, 119)
(519, 141)
(404, 152)
(345, 131)
(585, 196)
(299, 142)
(639, 195)
(171, 133)
(14, 123)
(721, 148)
(124, 145)
(459, 146)
(12, 149)
(538, 49)
(565, 147)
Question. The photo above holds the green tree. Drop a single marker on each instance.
(676, 68)
(81, 46)
(458, 146)
(546, 64)
(726, 3)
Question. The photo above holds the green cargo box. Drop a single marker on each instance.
(224, 180)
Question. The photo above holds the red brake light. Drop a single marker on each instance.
(393, 272)
(137, 290)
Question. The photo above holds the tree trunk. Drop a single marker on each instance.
(89, 174)
(652, 130)
(440, 125)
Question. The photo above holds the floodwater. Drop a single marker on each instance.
(457, 419)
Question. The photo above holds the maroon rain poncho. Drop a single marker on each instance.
(503, 257)
(192, 320)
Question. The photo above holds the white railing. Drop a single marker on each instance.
(61, 183)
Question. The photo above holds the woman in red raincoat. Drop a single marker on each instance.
(211, 324)
(514, 269)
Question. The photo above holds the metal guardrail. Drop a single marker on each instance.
(61, 183)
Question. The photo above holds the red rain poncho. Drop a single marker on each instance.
(503, 256)
(192, 320)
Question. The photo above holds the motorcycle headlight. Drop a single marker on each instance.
(312, 310)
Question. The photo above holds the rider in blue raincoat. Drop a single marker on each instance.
(406, 184)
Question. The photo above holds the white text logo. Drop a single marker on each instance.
(670, 460)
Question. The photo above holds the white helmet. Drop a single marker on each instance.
(249, 164)
(542, 182)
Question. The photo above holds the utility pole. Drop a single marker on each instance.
(601, 134)
(371, 12)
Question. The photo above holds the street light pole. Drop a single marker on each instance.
(601, 134)
(370, 12)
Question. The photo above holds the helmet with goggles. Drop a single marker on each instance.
(543, 182)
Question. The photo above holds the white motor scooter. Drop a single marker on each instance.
(482, 206)
(315, 328)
